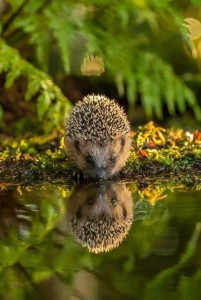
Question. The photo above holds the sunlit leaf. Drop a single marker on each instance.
(92, 66)
(194, 28)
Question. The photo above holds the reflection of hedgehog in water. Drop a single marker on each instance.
(100, 216)
(98, 137)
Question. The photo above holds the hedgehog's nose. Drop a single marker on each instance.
(101, 176)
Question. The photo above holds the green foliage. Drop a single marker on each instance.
(51, 103)
(160, 87)
(132, 37)
(171, 283)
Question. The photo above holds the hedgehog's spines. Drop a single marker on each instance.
(98, 124)
(97, 118)
(100, 235)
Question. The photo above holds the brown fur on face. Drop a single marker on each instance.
(110, 199)
(97, 160)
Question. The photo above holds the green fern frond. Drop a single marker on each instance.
(63, 29)
(131, 89)
(158, 85)
(128, 35)
(36, 26)
(15, 4)
(51, 103)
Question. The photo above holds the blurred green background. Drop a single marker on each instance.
(140, 52)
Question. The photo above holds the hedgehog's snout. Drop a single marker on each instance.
(100, 170)
(102, 176)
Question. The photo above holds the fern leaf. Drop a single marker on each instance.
(168, 89)
(43, 103)
(62, 30)
(179, 97)
(131, 89)
(40, 87)
(147, 99)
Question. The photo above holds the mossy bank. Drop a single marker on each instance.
(156, 152)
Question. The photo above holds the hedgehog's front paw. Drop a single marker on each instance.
(79, 176)
(85, 177)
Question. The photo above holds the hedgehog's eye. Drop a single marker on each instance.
(112, 159)
(90, 201)
(89, 159)
(113, 200)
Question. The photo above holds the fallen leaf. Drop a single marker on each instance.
(197, 135)
(142, 154)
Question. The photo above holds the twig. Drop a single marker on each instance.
(13, 16)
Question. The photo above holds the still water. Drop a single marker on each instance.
(100, 241)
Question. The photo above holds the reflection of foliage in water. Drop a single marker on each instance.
(175, 281)
(26, 223)
(45, 253)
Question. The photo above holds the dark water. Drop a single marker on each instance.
(100, 241)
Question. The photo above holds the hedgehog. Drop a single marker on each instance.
(98, 137)
(100, 216)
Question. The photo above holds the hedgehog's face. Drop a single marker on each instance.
(100, 161)
(100, 215)
(101, 200)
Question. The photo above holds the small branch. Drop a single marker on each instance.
(7, 24)
(13, 16)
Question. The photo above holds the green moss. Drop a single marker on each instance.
(155, 151)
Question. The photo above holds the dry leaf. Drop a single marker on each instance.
(194, 28)
(197, 135)
(92, 66)
(142, 154)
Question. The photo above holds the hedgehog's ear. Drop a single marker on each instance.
(122, 139)
(119, 141)
(80, 145)
(77, 145)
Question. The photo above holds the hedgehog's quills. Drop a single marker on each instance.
(100, 216)
(98, 137)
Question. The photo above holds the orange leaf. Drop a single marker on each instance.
(133, 134)
(142, 154)
(197, 135)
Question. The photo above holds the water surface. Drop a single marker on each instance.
(100, 241)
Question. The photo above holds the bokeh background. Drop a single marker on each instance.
(146, 54)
